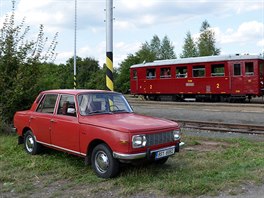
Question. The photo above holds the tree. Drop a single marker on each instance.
(156, 50)
(53, 76)
(206, 41)
(167, 49)
(145, 54)
(189, 47)
(123, 79)
(19, 65)
(155, 47)
(86, 70)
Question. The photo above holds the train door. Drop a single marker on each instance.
(236, 78)
(135, 77)
(134, 82)
(250, 79)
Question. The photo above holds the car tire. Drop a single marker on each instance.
(103, 162)
(161, 161)
(30, 144)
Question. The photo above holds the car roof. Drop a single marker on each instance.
(75, 91)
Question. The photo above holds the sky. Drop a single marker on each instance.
(238, 24)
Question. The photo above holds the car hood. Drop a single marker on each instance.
(127, 122)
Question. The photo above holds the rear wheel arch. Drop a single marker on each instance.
(30, 144)
(21, 137)
(25, 130)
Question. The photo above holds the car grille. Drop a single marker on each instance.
(159, 138)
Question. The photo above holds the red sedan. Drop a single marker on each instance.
(97, 125)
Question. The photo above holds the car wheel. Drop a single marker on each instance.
(161, 161)
(103, 162)
(30, 144)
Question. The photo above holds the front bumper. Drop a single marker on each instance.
(147, 154)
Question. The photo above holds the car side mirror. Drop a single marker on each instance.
(71, 111)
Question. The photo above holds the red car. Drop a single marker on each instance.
(97, 125)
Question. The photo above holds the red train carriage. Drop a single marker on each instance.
(215, 78)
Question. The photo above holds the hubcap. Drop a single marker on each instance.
(101, 161)
(30, 143)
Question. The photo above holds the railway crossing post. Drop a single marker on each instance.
(109, 45)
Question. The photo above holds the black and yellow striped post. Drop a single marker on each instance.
(74, 81)
(109, 71)
(109, 45)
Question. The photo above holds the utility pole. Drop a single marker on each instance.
(109, 45)
(75, 35)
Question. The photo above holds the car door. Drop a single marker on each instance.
(65, 126)
(40, 119)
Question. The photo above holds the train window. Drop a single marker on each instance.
(217, 70)
(198, 71)
(134, 74)
(181, 72)
(151, 73)
(237, 69)
(249, 68)
(165, 72)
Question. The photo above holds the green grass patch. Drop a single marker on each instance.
(192, 172)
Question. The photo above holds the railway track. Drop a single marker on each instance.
(214, 111)
(222, 127)
(254, 103)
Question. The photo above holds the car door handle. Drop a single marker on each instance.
(53, 121)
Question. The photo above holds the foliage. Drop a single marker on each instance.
(155, 47)
(189, 47)
(146, 54)
(53, 76)
(206, 41)
(167, 49)
(157, 50)
(123, 79)
(86, 69)
(19, 65)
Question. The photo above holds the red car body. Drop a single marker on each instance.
(59, 119)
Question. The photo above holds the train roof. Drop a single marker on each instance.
(198, 60)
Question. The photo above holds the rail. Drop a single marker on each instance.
(222, 127)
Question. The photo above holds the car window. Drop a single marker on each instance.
(100, 103)
(47, 104)
(67, 105)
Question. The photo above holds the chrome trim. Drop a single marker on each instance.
(181, 144)
(162, 149)
(52, 145)
(129, 156)
(124, 156)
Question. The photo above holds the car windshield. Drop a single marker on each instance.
(103, 103)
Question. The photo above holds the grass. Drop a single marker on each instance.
(190, 172)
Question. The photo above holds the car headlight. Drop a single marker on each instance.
(176, 135)
(139, 141)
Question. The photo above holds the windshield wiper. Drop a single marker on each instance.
(119, 111)
(99, 112)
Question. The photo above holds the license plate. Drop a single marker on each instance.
(164, 153)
